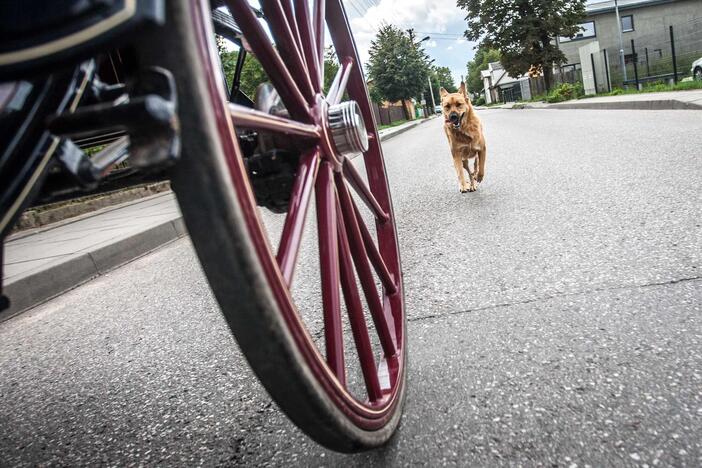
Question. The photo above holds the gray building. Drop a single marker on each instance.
(648, 23)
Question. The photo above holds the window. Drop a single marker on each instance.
(586, 30)
(627, 23)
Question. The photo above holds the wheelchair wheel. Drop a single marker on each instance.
(307, 371)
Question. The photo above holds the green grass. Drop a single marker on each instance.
(394, 124)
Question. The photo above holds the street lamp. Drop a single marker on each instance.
(621, 42)
(431, 91)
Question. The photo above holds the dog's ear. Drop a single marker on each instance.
(443, 92)
(462, 89)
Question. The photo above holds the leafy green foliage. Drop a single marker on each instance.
(331, 66)
(397, 66)
(253, 74)
(565, 92)
(440, 77)
(483, 56)
(523, 30)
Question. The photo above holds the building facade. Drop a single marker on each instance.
(648, 23)
(499, 86)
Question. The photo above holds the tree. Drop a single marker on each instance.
(252, 74)
(398, 66)
(440, 77)
(524, 30)
(331, 66)
(483, 57)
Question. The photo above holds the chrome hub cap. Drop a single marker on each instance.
(347, 129)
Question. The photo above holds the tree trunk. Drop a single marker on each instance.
(548, 77)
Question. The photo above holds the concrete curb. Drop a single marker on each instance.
(655, 104)
(35, 218)
(41, 286)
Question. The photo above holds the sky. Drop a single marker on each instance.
(442, 20)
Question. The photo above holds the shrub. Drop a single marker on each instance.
(480, 101)
(565, 92)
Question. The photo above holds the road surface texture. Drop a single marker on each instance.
(554, 320)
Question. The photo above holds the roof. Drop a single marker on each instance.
(607, 6)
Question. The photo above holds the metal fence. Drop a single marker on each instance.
(663, 56)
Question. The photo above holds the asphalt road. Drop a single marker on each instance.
(555, 320)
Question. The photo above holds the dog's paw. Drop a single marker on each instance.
(467, 187)
(480, 176)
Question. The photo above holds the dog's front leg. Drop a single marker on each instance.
(472, 185)
(463, 186)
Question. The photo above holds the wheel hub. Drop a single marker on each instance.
(346, 128)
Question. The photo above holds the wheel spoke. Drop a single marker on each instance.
(246, 117)
(276, 70)
(363, 191)
(358, 250)
(338, 86)
(309, 43)
(329, 269)
(318, 17)
(293, 228)
(338, 24)
(292, 21)
(375, 258)
(286, 41)
(354, 308)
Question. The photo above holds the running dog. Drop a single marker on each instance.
(465, 137)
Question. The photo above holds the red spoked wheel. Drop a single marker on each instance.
(308, 378)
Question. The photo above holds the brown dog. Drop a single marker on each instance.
(465, 136)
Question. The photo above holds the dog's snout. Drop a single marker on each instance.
(453, 117)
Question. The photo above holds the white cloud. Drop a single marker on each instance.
(436, 16)
(425, 17)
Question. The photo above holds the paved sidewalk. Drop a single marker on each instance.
(676, 100)
(45, 262)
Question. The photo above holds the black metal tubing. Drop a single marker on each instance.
(594, 72)
(236, 79)
(648, 68)
(675, 62)
(636, 68)
(606, 63)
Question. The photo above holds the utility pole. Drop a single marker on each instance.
(621, 42)
(431, 91)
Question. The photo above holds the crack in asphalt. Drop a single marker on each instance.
(556, 296)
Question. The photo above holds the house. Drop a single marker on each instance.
(647, 22)
(499, 86)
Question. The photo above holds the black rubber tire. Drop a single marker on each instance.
(215, 222)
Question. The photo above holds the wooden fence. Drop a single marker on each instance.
(388, 115)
